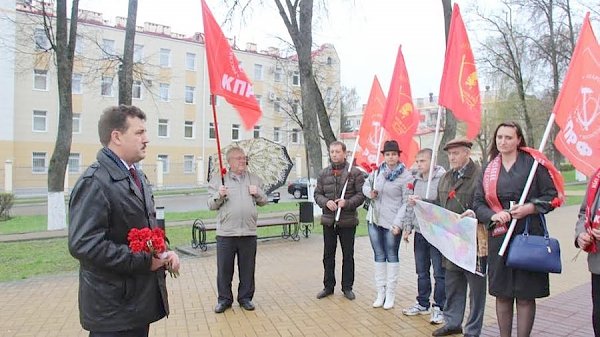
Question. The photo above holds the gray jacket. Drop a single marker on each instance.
(389, 207)
(420, 189)
(593, 258)
(237, 212)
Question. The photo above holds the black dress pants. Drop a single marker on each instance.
(228, 247)
(139, 332)
(330, 237)
(596, 304)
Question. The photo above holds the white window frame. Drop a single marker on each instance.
(277, 105)
(39, 156)
(188, 163)
(190, 61)
(165, 58)
(138, 53)
(37, 115)
(74, 157)
(295, 134)
(189, 125)
(76, 123)
(79, 45)
(277, 134)
(106, 88)
(165, 162)
(235, 132)
(212, 133)
(76, 84)
(256, 132)
(163, 124)
(108, 47)
(259, 100)
(278, 74)
(258, 72)
(296, 78)
(137, 85)
(42, 75)
(40, 39)
(164, 92)
(190, 97)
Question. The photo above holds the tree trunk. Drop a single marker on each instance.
(64, 47)
(126, 67)
(450, 121)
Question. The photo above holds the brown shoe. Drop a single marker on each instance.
(446, 331)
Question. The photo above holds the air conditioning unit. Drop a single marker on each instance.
(147, 83)
(272, 96)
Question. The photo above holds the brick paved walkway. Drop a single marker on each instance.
(288, 277)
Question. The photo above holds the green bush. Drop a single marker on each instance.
(566, 167)
(6, 203)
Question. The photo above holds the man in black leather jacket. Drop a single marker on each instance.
(120, 292)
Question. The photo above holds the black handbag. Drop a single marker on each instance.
(535, 253)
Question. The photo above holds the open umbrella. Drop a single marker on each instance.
(268, 160)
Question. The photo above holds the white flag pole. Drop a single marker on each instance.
(434, 149)
(534, 167)
(339, 210)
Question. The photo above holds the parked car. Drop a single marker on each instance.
(298, 188)
(274, 197)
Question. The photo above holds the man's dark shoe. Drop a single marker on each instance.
(446, 331)
(324, 293)
(349, 294)
(247, 305)
(221, 307)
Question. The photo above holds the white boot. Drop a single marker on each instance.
(380, 279)
(390, 288)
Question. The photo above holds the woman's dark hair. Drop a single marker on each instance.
(493, 150)
(115, 118)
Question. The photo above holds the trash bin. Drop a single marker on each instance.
(306, 212)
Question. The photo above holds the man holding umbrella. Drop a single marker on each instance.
(328, 195)
(235, 196)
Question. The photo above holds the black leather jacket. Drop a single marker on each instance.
(117, 290)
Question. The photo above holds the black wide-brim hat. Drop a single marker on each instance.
(391, 145)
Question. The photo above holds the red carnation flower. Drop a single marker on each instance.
(410, 186)
(556, 202)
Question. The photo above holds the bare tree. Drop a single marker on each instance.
(126, 67)
(64, 49)
(348, 100)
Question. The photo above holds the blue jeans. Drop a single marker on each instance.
(385, 244)
(427, 255)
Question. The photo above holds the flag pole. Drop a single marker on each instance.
(339, 210)
(434, 150)
(214, 109)
(534, 167)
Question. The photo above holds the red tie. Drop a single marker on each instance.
(136, 179)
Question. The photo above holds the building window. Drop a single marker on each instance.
(188, 129)
(188, 163)
(216, 98)
(235, 131)
(295, 136)
(138, 53)
(107, 86)
(76, 123)
(165, 57)
(40, 121)
(79, 45)
(258, 72)
(276, 134)
(329, 61)
(40, 79)
(259, 100)
(164, 92)
(190, 61)
(76, 84)
(296, 78)
(211, 131)
(74, 163)
(277, 105)
(136, 90)
(189, 94)
(108, 47)
(163, 128)
(165, 162)
(38, 162)
(329, 97)
(295, 108)
(256, 131)
(278, 76)
(41, 40)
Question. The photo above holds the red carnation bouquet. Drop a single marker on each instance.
(150, 241)
(452, 196)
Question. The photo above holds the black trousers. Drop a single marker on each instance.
(596, 304)
(346, 235)
(227, 249)
(139, 332)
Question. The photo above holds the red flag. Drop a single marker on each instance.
(370, 127)
(577, 107)
(226, 77)
(399, 117)
(459, 89)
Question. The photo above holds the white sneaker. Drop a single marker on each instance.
(415, 310)
(437, 316)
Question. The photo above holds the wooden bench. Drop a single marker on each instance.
(289, 223)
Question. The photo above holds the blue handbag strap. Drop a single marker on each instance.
(542, 219)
